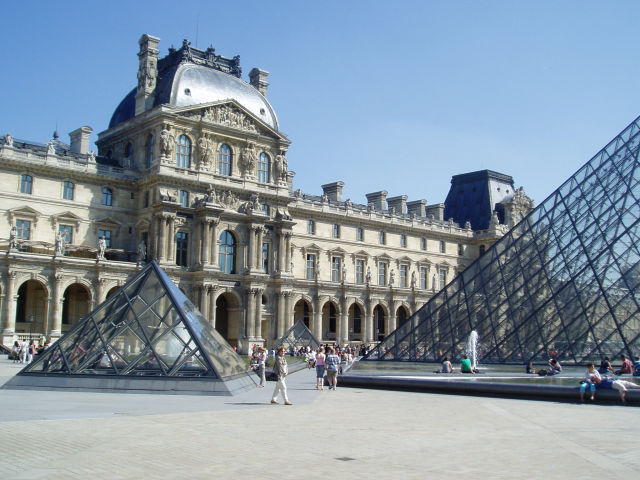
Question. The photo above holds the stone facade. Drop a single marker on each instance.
(205, 190)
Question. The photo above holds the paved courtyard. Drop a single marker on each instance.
(350, 433)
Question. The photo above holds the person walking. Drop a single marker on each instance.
(262, 366)
(281, 370)
(333, 364)
(320, 367)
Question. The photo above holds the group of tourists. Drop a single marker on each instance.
(600, 380)
(23, 352)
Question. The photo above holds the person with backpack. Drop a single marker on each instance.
(333, 364)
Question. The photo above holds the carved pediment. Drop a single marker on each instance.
(65, 218)
(107, 223)
(23, 212)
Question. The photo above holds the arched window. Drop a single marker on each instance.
(149, 151)
(224, 160)
(183, 152)
(227, 255)
(264, 167)
(107, 197)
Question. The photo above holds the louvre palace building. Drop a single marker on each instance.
(193, 173)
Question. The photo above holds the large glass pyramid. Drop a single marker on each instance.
(296, 337)
(147, 330)
(564, 282)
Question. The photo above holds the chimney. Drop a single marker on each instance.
(399, 204)
(437, 210)
(80, 140)
(417, 207)
(379, 200)
(258, 80)
(147, 72)
(333, 191)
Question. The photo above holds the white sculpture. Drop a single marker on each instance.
(102, 248)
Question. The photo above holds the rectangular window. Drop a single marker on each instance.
(360, 272)
(26, 182)
(182, 248)
(106, 234)
(359, 234)
(382, 273)
(382, 238)
(423, 243)
(67, 232)
(403, 276)
(265, 209)
(403, 240)
(107, 197)
(311, 227)
(311, 266)
(335, 269)
(460, 249)
(146, 199)
(24, 229)
(336, 231)
(67, 191)
(184, 198)
(265, 257)
(442, 247)
(443, 278)
(423, 278)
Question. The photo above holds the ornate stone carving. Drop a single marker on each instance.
(205, 152)
(91, 156)
(229, 116)
(102, 248)
(253, 204)
(167, 142)
(228, 200)
(168, 196)
(51, 149)
(8, 140)
(248, 160)
(141, 252)
(13, 238)
(280, 167)
(59, 245)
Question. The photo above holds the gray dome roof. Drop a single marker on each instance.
(197, 84)
(189, 77)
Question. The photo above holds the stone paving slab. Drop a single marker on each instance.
(354, 432)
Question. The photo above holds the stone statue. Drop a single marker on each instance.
(59, 245)
(325, 198)
(392, 278)
(248, 160)
(8, 140)
(102, 248)
(13, 238)
(368, 277)
(141, 252)
(413, 279)
(91, 156)
(348, 203)
(51, 149)
(280, 166)
(467, 225)
(344, 272)
(167, 140)
(205, 152)
(433, 283)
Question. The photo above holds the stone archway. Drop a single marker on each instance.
(356, 323)
(31, 308)
(329, 326)
(112, 291)
(76, 304)
(402, 315)
(379, 322)
(228, 318)
(303, 311)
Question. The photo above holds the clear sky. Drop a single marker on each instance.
(383, 95)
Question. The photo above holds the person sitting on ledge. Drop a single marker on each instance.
(554, 367)
(529, 368)
(626, 365)
(591, 376)
(621, 386)
(605, 366)
(465, 365)
(446, 366)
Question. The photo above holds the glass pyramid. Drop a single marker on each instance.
(564, 282)
(297, 336)
(148, 328)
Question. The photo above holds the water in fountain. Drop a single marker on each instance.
(472, 345)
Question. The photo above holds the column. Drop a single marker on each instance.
(162, 237)
(281, 315)
(391, 319)
(258, 313)
(317, 319)
(9, 324)
(368, 322)
(251, 231)
(202, 292)
(214, 242)
(260, 242)
(251, 308)
(56, 312)
(171, 241)
(281, 252)
(205, 227)
(99, 288)
(289, 309)
(212, 304)
(287, 246)
(152, 248)
(343, 326)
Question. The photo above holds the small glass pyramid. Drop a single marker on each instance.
(563, 283)
(148, 328)
(297, 336)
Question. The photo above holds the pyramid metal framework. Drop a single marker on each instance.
(564, 282)
(148, 330)
(298, 336)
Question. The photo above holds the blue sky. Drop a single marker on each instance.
(395, 96)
